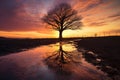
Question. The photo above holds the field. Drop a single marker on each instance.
(106, 53)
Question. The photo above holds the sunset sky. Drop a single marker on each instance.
(22, 18)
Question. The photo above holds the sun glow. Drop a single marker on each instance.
(30, 34)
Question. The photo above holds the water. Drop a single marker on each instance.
(59, 61)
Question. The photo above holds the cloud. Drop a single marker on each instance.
(101, 21)
(114, 15)
(85, 5)
(97, 24)
(15, 16)
(8, 9)
(99, 12)
(9, 17)
(114, 31)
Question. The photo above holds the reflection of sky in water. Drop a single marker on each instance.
(30, 65)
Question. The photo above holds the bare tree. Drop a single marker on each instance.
(63, 17)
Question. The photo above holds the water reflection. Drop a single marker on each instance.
(62, 56)
(60, 61)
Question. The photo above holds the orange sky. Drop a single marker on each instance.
(22, 18)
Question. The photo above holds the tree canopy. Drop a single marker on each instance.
(63, 17)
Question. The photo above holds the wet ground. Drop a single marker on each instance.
(59, 61)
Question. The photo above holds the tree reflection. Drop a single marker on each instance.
(60, 60)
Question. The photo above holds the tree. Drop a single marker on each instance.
(63, 17)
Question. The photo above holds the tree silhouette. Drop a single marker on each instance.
(63, 17)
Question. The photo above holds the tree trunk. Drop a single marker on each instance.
(61, 53)
(60, 36)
